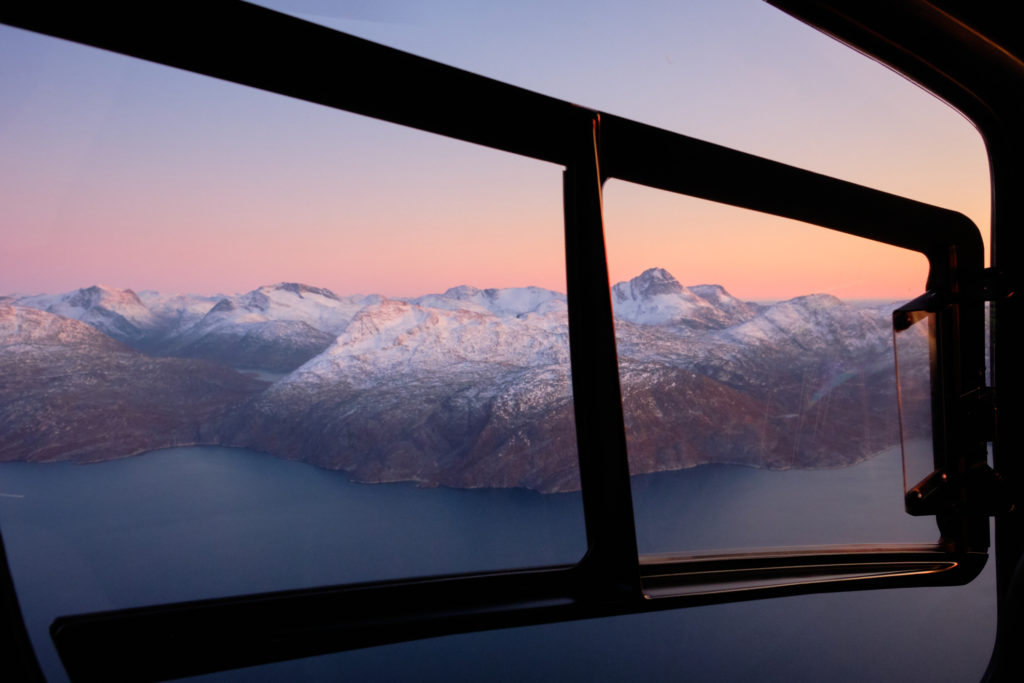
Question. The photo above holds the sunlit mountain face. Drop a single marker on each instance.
(465, 388)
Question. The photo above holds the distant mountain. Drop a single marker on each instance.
(439, 396)
(512, 301)
(287, 302)
(397, 337)
(471, 387)
(446, 389)
(656, 298)
(816, 322)
(26, 332)
(276, 327)
(116, 312)
(177, 312)
(70, 392)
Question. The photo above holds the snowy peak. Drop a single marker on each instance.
(810, 310)
(507, 302)
(117, 312)
(399, 336)
(275, 327)
(97, 298)
(736, 310)
(655, 297)
(100, 295)
(814, 322)
(285, 294)
(223, 306)
(654, 282)
(384, 324)
(319, 308)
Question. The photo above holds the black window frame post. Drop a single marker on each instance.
(610, 567)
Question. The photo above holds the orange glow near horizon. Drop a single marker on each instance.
(125, 173)
(755, 256)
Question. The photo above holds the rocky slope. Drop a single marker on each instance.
(70, 392)
(471, 387)
(275, 327)
(451, 397)
(118, 313)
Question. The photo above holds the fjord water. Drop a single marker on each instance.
(190, 523)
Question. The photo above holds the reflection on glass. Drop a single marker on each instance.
(914, 335)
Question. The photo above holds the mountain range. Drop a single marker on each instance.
(465, 388)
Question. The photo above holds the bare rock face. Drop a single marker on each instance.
(69, 392)
(471, 430)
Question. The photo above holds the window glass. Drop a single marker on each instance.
(757, 370)
(735, 72)
(914, 340)
(335, 349)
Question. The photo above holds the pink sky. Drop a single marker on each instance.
(754, 255)
(137, 176)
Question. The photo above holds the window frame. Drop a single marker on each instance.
(275, 52)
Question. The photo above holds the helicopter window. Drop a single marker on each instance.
(757, 379)
(204, 285)
(522, 123)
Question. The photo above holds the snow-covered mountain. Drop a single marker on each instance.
(319, 308)
(814, 322)
(397, 337)
(276, 327)
(471, 387)
(70, 392)
(467, 389)
(24, 330)
(116, 312)
(511, 301)
(461, 397)
(178, 311)
(655, 297)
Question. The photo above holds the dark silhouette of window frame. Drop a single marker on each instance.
(281, 54)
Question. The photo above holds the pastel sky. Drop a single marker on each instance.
(134, 175)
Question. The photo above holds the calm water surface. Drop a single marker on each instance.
(192, 523)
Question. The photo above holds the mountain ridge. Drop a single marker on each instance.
(471, 387)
